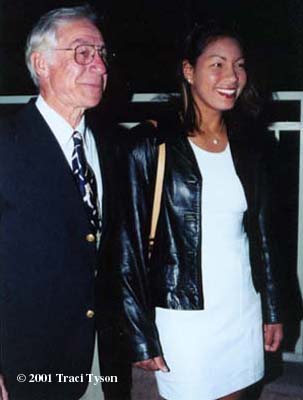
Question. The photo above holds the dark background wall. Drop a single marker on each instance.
(146, 34)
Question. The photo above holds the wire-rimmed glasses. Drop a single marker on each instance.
(84, 54)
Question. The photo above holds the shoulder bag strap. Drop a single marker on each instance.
(157, 196)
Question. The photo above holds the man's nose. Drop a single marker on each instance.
(99, 63)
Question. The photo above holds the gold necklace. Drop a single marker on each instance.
(216, 140)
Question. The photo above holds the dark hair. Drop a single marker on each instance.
(196, 42)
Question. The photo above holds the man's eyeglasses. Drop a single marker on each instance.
(85, 53)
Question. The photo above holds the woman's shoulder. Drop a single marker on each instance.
(251, 135)
(142, 141)
(142, 137)
(138, 144)
(145, 132)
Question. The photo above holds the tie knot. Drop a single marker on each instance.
(77, 137)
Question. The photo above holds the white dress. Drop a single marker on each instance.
(218, 350)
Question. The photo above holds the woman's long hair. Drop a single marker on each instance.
(249, 102)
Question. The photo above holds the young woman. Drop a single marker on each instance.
(193, 310)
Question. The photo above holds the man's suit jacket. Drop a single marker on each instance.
(47, 263)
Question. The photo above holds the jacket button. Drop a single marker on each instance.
(90, 313)
(192, 181)
(190, 217)
(90, 238)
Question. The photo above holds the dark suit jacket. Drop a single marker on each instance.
(47, 265)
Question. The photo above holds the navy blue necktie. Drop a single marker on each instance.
(87, 183)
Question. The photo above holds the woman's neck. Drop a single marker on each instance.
(212, 135)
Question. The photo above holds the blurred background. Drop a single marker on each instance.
(145, 35)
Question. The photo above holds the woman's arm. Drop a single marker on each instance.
(273, 328)
(137, 164)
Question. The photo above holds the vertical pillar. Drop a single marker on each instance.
(299, 345)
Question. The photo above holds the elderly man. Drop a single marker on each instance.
(54, 219)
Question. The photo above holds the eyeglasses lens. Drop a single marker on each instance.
(84, 54)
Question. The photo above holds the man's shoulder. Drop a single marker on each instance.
(24, 113)
(18, 127)
(7, 138)
(7, 124)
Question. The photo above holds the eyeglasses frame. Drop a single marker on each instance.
(104, 56)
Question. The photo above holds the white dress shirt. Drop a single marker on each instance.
(63, 132)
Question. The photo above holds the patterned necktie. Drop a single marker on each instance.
(87, 183)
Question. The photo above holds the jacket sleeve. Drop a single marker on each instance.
(271, 293)
(137, 163)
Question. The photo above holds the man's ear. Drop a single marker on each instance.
(188, 71)
(40, 64)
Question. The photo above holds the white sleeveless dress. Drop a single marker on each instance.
(218, 350)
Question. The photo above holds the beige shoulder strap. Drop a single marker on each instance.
(157, 196)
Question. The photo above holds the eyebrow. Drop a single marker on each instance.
(224, 58)
(82, 41)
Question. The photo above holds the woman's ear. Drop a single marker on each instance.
(188, 71)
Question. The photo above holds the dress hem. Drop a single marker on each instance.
(238, 385)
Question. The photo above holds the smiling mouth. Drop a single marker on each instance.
(229, 93)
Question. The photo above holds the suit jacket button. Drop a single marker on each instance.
(90, 238)
(90, 313)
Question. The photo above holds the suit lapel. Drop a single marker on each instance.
(45, 156)
(101, 146)
(186, 155)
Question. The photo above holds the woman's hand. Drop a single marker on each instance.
(273, 335)
(153, 364)
(3, 391)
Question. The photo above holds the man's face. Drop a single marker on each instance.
(65, 83)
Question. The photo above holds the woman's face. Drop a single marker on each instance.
(218, 77)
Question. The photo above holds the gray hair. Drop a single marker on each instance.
(43, 35)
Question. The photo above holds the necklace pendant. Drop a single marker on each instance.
(215, 141)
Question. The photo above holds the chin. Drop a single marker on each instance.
(228, 106)
(93, 101)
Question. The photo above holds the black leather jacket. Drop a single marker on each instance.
(172, 278)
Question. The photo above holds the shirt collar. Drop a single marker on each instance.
(58, 125)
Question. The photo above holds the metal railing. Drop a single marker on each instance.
(295, 126)
(277, 127)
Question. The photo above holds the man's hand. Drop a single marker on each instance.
(153, 364)
(273, 335)
(3, 391)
